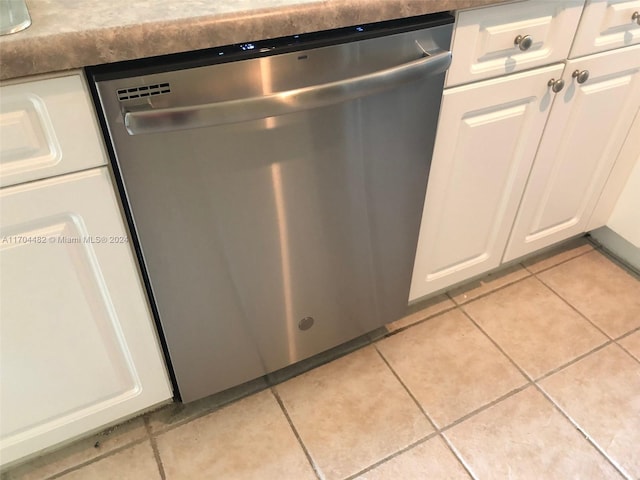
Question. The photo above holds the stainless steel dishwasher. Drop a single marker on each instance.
(275, 189)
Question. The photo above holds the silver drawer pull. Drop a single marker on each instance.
(523, 42)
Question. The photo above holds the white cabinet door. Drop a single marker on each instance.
(607, 24)
(78, 344)
(586, 129)
(487, 138)
(484, 43)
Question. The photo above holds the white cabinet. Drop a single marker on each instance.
(487, 138)
(586, 129)
(488, 199)
(502, 39)
(607, 24)
(78, 346)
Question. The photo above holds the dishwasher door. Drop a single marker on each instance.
(277, 199)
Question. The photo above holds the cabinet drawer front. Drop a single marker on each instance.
(607, 24)
(484, 43)
(47, 127)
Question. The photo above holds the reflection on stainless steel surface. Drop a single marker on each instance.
(14, 16)
(269, 233)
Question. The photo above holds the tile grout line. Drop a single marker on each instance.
(419, 322)
(97, 459)
(622, 337)
(316, 468)
(573, 308)
(154, 447)
(437, 430)
(393, 455)
(529, 274)
(625, 335)
(409, 392)
(573, 361)
(548, 398)
(562, 262)
(501, 287)
(612, 341)
(610, 337)
(452, 448)
(486, 406)
(583, 431)
(522, 372)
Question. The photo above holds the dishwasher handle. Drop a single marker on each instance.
(160, 120)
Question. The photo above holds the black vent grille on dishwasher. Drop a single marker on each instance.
(143, 91)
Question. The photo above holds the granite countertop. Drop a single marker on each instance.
(68, 34)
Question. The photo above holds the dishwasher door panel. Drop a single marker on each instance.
(270, 240)
(247, 229)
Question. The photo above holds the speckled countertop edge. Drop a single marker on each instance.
(68, 34)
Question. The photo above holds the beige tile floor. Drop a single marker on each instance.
(531, 373)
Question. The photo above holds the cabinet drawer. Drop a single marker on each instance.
(47, 127)
(607, 24)
(484, 43)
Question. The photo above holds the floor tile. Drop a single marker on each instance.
(525, 437)
(535, 327)
(430, 459)
(601, 393)
(133, 463)
(352, 413)
(250, 439)
(79, 452)
(450, 366)
(632, 344)
(489, 283)
(604, 292)
(561, 253)
(427, 309)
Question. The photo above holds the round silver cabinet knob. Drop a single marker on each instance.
(581, 75)
(556, 85)
(523, 42)
(636, 17)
